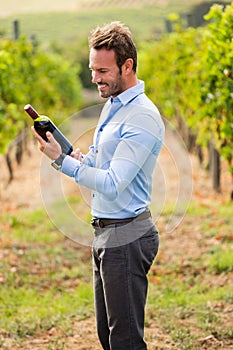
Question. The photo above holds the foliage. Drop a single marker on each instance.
(189, 75)
(30, 75)
(217, 75)
(78, 54)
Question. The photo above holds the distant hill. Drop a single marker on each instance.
(71, 20)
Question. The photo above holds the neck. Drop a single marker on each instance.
(131, 82)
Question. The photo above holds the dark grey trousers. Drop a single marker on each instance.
(120, 283)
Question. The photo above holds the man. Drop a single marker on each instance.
(118, 168)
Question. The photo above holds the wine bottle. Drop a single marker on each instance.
(42, 124)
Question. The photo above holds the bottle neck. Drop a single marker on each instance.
(31, 111)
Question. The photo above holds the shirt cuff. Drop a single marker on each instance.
(70, 165)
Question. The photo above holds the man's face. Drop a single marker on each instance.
(106, 73)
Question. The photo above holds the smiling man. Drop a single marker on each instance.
(118, 169)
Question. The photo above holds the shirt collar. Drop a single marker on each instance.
(129, 94)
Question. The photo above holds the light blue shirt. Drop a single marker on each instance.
(119, 165)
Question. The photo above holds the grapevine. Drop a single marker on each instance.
(30, 75)
(189, 75)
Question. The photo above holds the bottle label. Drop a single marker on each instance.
(41, 118)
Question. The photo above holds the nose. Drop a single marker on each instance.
(95, 77)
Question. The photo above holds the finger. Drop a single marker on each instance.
(50, 137)
(53, 147)
(77, 153)
(38, 137)
(41, 148)
(41, 141)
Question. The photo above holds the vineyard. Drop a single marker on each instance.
(46, 298)
(189, 75)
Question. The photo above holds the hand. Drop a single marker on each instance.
(51, 148)
(77, 154)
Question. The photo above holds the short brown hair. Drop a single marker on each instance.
(115, 36)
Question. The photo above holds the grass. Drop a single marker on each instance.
(191, 291)
(34, 310)
(45, 279)
(189, 313)
(222, 261)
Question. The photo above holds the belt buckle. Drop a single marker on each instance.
(97, 223)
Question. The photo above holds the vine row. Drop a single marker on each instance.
(29, 74)
(189, 74)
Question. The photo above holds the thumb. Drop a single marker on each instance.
(50, 137)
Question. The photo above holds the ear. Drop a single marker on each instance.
(127, 67)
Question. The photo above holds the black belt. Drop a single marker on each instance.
(105, 222)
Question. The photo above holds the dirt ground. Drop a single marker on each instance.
(183, 178)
